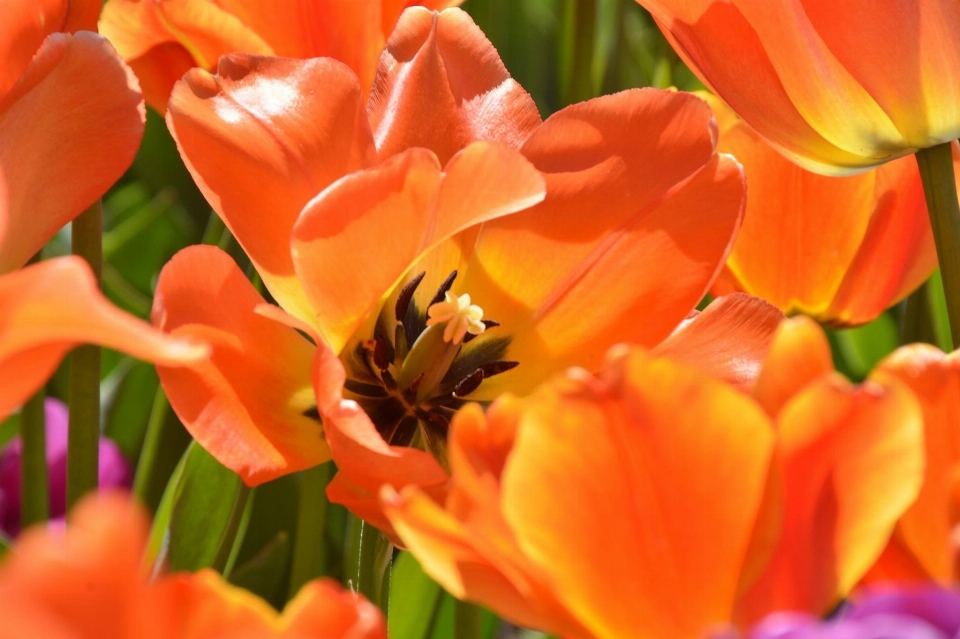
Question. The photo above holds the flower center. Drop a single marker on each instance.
(419, 367)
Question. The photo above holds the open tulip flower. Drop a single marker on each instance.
(88, 582)
(71, 119)
(654, 501)
(837, 86)
(439, 246)
(840, 249)
(163, 39)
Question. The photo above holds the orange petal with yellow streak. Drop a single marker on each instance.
(799, 355)
(638, 219)
(251, 405)
(926, 530)
(810, 243)
(261, 139)
(852, 463)
(468, 546)
(50, 307)
(633, 436)
(68, 130)
(721, 46)
(354, 242)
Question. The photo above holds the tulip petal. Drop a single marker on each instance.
(159, 70)
(913, 68)
(355, 241)
(836, 105)
(612, 489)
(207, 30)
(799, 355)
(260, 140)
(633, 192)
(809, 243)
(68, 130)
(447, 550)
(344, 30)
(51, 307)
(801, 230)
(323, 609)
(852, 459)
(719, 44)
(727, 341)
(898, 252)
(926, 528)
(250, 405)
(25, 25)
(468, 547)
(366, 463)
(441, 85)
(88, 578)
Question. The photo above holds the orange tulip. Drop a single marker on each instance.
(835, 86)
(87, 582)
(925, 546)
(841, 249)
(653, 501)
(163, 39)
(394, 268)
(71, 119)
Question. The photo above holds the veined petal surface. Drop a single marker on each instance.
(262, 138)
(251, 405)
(926, 532)
(639, 216)
(441, 85)
(852, 463)
(69, 128)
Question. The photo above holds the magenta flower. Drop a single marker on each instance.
(114, 469)
(919, 613)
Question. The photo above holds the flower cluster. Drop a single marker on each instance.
(564, 373)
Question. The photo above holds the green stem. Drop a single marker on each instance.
(216, 233)
(369, 558)
(238, 515)
(939, 186)
(468, 623)
(151, 445)
(34, 493)
(309, 561)
(917, 325)
(577, 50)
(84, 434)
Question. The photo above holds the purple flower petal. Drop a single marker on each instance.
(114, 471)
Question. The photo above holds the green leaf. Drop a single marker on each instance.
(444, 627)
(265, 573)
(860, 349)
(128, 409)
(4, 545)
(938, 312)
(206, 516)
(9, 428)
(414, 600)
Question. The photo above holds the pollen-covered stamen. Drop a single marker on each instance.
(461, 317)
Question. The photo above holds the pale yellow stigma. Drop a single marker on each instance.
(461, 317)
